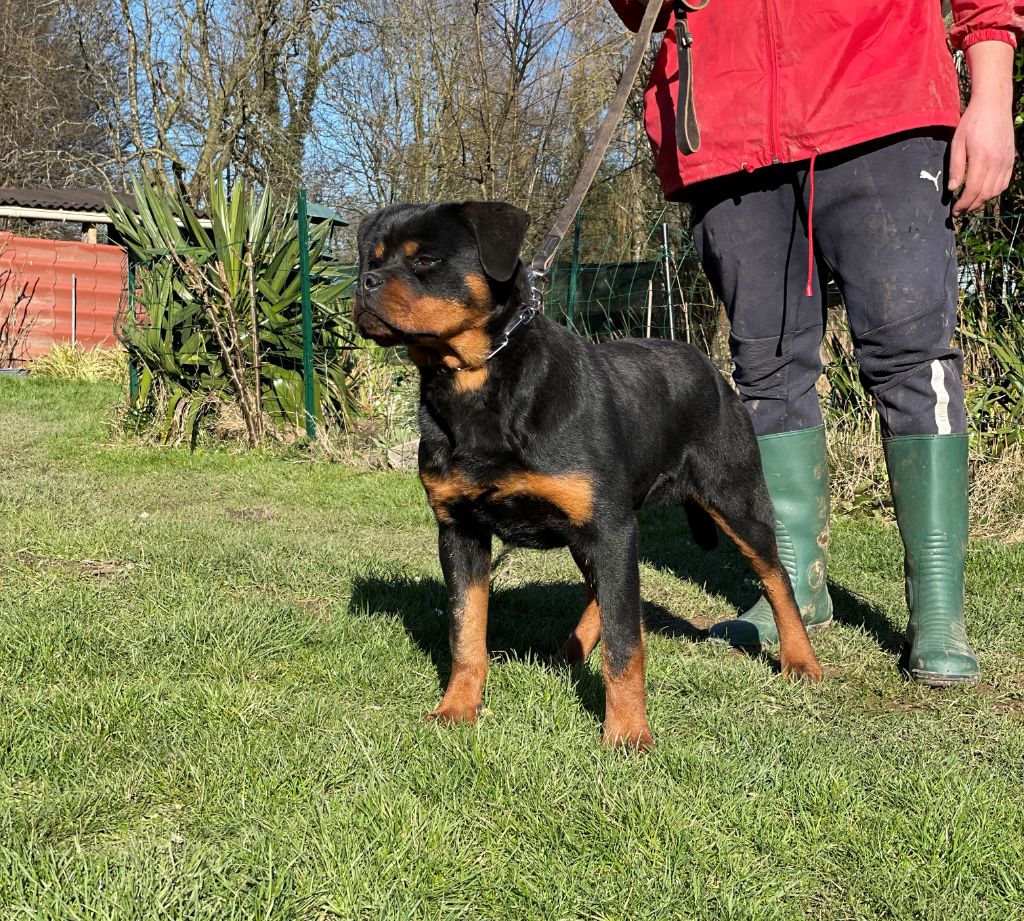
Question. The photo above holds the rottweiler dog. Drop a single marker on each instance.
(532, 433)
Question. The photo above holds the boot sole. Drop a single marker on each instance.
(933, 680)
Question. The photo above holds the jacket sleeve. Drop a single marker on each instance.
(632, 11)
(985, 21)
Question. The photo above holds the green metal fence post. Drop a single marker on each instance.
(570, 301)
(307, 319)
(133, 370)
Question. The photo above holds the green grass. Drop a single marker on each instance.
(213, 668)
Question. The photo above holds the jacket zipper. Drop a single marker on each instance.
(773, 77)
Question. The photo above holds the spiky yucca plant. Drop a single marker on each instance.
(216, 312)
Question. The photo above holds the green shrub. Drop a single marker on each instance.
(214, 316)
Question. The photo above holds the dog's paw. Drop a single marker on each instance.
(805, 668)
(637, 740)
(452, 714)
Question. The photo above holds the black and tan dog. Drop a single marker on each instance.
(554, 441)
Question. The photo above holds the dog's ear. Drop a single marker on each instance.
(366, 222)
(499, 229)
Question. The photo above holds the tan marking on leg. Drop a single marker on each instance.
(464, 695)
(796, 653)
(577, 649)
(410, 247)
(625, 718)
(571, 493)
(587, 633)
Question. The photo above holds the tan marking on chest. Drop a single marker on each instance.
(444, 491)
(625, 718)
(572, 493)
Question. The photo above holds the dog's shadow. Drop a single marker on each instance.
(530, 622)
(526, 623)
(665, 544)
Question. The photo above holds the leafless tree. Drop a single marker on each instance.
(483, 98)
(206, 86)
(50, 131)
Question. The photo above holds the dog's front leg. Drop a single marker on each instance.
(614, 560)
(466, 564)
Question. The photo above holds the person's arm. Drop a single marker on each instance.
(982, 152)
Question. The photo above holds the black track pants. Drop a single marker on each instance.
(882, 229)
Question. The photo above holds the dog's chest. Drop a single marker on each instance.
(522, 506)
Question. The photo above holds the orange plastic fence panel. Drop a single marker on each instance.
(50, 269)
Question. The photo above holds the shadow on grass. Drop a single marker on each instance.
(851, 609)
(530, 622)
(525, 623)
(665, 543)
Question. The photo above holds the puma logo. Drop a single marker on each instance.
(926, 175)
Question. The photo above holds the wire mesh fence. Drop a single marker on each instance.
(646, 283)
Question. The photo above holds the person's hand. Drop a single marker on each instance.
(983, 144)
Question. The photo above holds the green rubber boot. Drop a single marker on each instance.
(796, 471)
(928, 478)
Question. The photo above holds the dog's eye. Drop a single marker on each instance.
(423, 261)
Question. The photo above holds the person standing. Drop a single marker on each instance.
(833, 144)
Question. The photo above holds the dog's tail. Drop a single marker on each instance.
(702, 526)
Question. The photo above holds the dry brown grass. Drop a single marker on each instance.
(66, 361)
(860, 484)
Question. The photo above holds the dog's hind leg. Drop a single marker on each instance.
(748, 523)
(466, 564)
(702, 525)
(587, 632)
(616, 569)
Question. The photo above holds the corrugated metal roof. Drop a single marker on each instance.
(92, 201)
(318, 213)
(88, 200)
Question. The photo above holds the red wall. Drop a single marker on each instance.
(48, 266)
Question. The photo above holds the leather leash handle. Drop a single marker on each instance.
(546, 252)
(687, 129)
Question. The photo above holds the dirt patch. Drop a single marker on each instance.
(100, 569)
(991, 698)
(258, 513)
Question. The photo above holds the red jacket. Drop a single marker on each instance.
(775, 80)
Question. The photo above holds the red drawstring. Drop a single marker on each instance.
(809, 290)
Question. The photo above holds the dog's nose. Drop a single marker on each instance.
(371, 280)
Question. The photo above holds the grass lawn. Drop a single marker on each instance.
(212, 672)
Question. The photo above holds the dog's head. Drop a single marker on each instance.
(429, 274)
